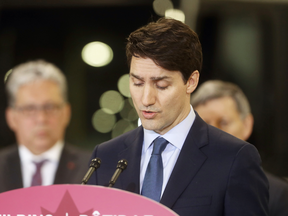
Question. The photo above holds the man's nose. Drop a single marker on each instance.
(40, 114)
(149, 96)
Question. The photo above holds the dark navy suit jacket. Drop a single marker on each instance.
(216, 174)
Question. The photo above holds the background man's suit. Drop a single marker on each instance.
(71, 169)
(215, 174)
(278, 199)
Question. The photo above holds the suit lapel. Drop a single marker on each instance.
(13, 170)
(189, 162)
(64, 173)
(132, 153)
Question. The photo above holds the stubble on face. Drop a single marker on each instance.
(159, 95)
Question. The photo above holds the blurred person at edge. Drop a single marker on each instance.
(224, 105)
(38, 113)
(196, 169)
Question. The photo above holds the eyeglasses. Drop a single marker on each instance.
(31, 110)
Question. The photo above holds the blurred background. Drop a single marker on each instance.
(243, 41)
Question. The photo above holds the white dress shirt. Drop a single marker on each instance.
(176, 138)
(48, 169)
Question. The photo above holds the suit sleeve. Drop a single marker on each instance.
(247, 187)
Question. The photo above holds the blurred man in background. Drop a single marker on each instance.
(224, 105)
(38, 113)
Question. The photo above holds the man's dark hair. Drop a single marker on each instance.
(170, 43)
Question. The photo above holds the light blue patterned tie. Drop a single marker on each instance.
(153, 180)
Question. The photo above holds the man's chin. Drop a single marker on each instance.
(40, 146)
(149, 125)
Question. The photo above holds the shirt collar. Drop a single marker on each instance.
(176, 136)
(53, 154)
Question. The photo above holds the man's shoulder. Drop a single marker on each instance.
(225, 141)
(70, 149)
(278, 194)
(277, 182)
(76, 155)
(223, 137)
(9, 150)
(213, 137)
(217, 142)
(8, 156)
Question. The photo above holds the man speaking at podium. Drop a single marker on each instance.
(38, 113)
(175, 158)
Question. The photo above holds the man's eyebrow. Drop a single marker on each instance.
(136, 76)
(159, 78)
(152, 78)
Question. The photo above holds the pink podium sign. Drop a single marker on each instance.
(78, 200)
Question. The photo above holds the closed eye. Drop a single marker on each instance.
(162, 88)
(138, 84)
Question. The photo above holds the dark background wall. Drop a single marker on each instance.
(58, 35)
(243, 42)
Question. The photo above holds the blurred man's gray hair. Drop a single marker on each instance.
(32, 71)
(214, 89)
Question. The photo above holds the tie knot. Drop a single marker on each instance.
(40, 163)
(159, 145)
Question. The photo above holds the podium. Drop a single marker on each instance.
(78, 200)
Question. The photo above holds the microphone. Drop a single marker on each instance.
(122, 164)
(95, 164)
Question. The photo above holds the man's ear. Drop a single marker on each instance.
(193, 81)
(248, 126)
(10, 118)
